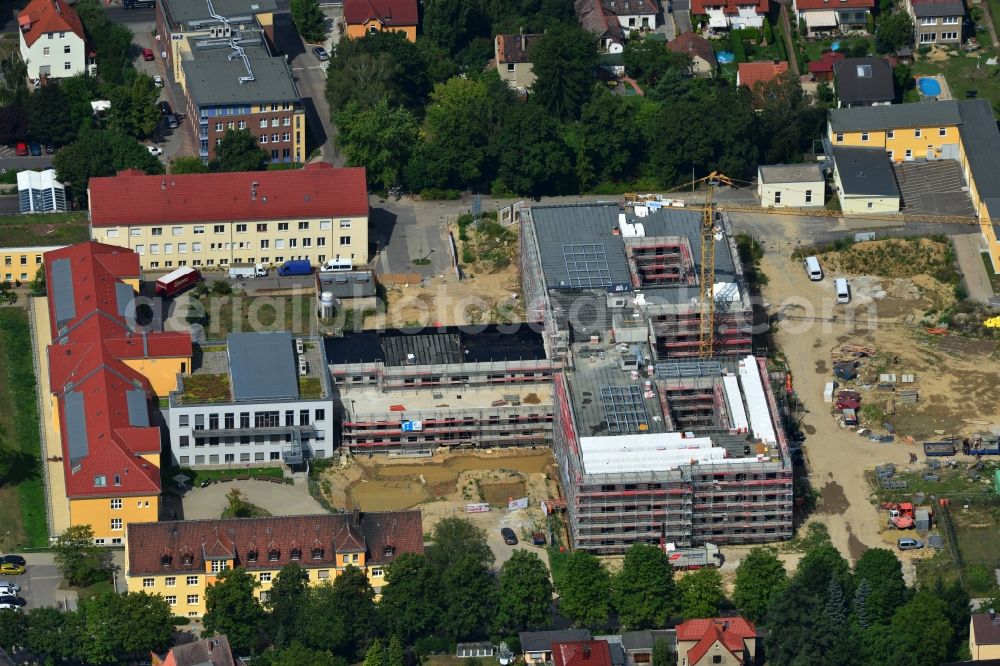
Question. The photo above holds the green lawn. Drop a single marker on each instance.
(964, 79)
(47, 229)
(994, 278)
(227, 314)
(196, 476)
(24, 495)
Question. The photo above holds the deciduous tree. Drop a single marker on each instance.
(760, 577)
(700, 593)
(188, 164)
(49, 119)
(525, 593)
(55, 635)
(79, 560)
(534, 159)
(380, 138)
(297, 654)
(563, 61)
(584, 596)
(100, 153)
(231, 608)
(118, 626)
(309, 20)
(339, 618)
(284, 601)
(133, 109)
(893, 31)
(468, 598)
(647, 60)
(411, 605)
(454, 539)
(239, 152)
(644, 592)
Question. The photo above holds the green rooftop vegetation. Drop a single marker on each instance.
(310, 387)
(206, 388)
(43, 229)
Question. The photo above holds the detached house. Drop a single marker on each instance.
(613, 20)
(53, 44)
(703, 60)
(367, 16)
(937, 21)
(735, 14)
(864, 81)
(834, 15)
(717, 640)
(512, 53)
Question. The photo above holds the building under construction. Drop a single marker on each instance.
(654, 444)
(412, 392)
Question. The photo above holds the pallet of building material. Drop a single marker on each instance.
(885, 386)
(907, 379)
(893, 484)
(908, 396)
(498, 403)
(887, 378)
(890, 407)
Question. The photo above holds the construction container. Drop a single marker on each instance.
(922, 520)
(828, 392)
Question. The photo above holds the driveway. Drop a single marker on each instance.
(276, 498)
(970, 263)
(40, 585)
(406, 231)
(681, 12)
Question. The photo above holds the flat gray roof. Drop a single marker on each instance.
(791, 173)
(920, 114)
(187, 11)
(865, 171)
(981, 140)
(216, 82)
(208, 48)
(262, 366)
(347, 284)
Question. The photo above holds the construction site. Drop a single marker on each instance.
(666, 429)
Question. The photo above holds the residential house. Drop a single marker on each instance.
(864, 181)
(514, 60)
(731, 641)
(213, 651)
(699, 49)
(40, 192)
(984, 636)
(363, 17)
(822, 69)
(233, 87)
(317, 213)
(102, 444)
(731, 14)
(633, 14)
(791, 185)
(537, 645)
(867, 81)
(605, 26)
(262, 399)
(52, 40)
(581, 653)
(825, 16)
(180, 559)
(937, 21)
(750, 74)
(638, 645)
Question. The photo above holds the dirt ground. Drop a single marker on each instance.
(443, 485)
(810, 326)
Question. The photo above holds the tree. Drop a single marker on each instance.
(100, 153)
(525, 593)
(133, 109)
(13, 629)
(188, 164)
(760, 577)
(819, 565)
(662, 654)
(644, 593)
(284, 601)
(55, 635)
(893, 32)
(239, 152)
(454, 539)
(231, 608)
(902, 75)
(647, 60)
(79, 561)
(118, 626)
(410, 603)
(585, 590)
(700, 593)
(607, 139)
(396, 655)
(375, 655)
(238, 505)
(534, 159)
(297, 654)
(563, 62)
(887, 589)
(309, 20)
(919, 634)
(450, 23)
(468, 597)
(111, 41)
(801, 633)
(380, 138)
(383, 64)
(339, 618)
(13, 124)
(49, 119)
(14, 84)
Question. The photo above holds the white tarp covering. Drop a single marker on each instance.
(734, 401)
(646, 453)
(756, 401)
(820, 19)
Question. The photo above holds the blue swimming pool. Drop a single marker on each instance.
(929, 87)
(725, 57)
(835, 46)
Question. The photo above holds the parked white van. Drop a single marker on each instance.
(843, 290)
(813, 268)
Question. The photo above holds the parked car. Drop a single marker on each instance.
(12, 569)
(164, 108)
(909, 543)
(35, 148)
(158, 81)
(8, 588)
(847, 403)
(849, 395)
(509, 537)
(16, 559)
(321, 53)
(49, 148)
(172, 121)
(10, 607)
(156, 151)
(147, 55)
(12, 599)
(21, 149)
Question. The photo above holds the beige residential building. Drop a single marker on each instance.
(514, 60)
(984, 636)
(318, 213)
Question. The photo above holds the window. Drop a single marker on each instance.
(279, 244)
(916, 133)
(243, 124)
(171, 599)
(345, 224)
(263, 122)
(317, 553)
(67, 66)
(282, 226)
(928, 37)
(265, 577)
(293, 242)
(890, 155)
(320, 415)
(320, 242)
(184, 441)
(66, 48)
(949, 35)
(176, 231)
(196, 247)
(263, 138)
(218, 127)
(192, 600)
(950, 20)
(307, 242)
(328, 224)
(199, 229)
(219, 229)
(135, 231)
(891, 134)
(168, 248)
(100, 481)
(265, 244)
(170, 581)
(777, 197)
(148, 582)
(840, 137)
(45, 50)
(192, 581)
(296, 553)
(241, 228)
(275, 455)
(116, 504)
(376, 572)
(909, 153)
(864, 136)
(286, 121)
(116, 524)
(928, 20)
(303, 226)
(716, 658)
(154, 248)
(219, 565)
(274, 122)
(345, 240)
(323, 574)
(245, 420)
(231, 125)
(809, 196)
(274, 138)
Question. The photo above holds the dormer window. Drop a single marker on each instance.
(100, 481)
(389, 551)
(273, 555)
(187, 559)
(251, 556)
(166, 559)
(296, 553)
(317, 553)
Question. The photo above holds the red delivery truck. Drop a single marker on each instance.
(177, 281)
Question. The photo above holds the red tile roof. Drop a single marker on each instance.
(581, 653)
(730, 631)
(85, 360)
(213, 651)
(825, 63)
(826, 5)
(694, 45)
(515, 48)
(386, 12)
(316, 191)
(160, 548)
(44, 16)
(728, 6)
(749, 73)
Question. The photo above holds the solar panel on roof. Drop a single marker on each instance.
(62, 290)
(124, 297)
(76, 427)
(138, 412)
(624, 409)
(586, 265)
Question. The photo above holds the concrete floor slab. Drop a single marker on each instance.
(278, 499)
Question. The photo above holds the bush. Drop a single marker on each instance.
(436, 194)
(768, 32)
(222, 288)
(736, 44)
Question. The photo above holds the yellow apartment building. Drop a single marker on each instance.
(22, 263)
(363, 17)
(317, 213)
(180, 559)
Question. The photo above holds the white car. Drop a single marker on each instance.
(158, 81)
(12, 607)
(155, 150)
(6, 587)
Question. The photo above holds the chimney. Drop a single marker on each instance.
(356, 516)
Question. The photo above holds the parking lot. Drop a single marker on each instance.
(40, 584)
